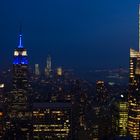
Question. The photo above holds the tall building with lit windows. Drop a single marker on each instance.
(48, 67)
(134, 93)
(120, 116)
(20, 77)
(100, 130)
(20, 67)
(59, 71)
(123, 118)
(19, 111)
(37, 70)
(101, 92)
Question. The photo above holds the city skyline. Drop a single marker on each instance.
(73, 70)
(75, 39)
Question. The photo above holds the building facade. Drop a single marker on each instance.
(52, 121)
(134, 95)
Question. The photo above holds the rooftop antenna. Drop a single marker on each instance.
(20, 36)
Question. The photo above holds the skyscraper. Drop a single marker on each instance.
(37, 71)
(20, 66)
(134, 95)
(120, 116)
(20, 78)
(101, 92)
(59, 71)
(48, 67)
(134, 92)
(19, 113)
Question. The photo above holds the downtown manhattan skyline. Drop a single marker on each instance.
(78, 34)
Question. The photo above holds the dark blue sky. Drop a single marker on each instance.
(81, 34)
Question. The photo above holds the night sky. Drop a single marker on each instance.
(79, 34)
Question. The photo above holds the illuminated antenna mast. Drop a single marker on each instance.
(20, 37)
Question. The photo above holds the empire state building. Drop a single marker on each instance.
(19, 100)
(19, 108)
(20, 67)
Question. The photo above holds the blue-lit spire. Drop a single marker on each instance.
(20, 53)
(20, 45)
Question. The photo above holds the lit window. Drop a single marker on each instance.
(1, 113)
(16, 53)
(24, 53)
